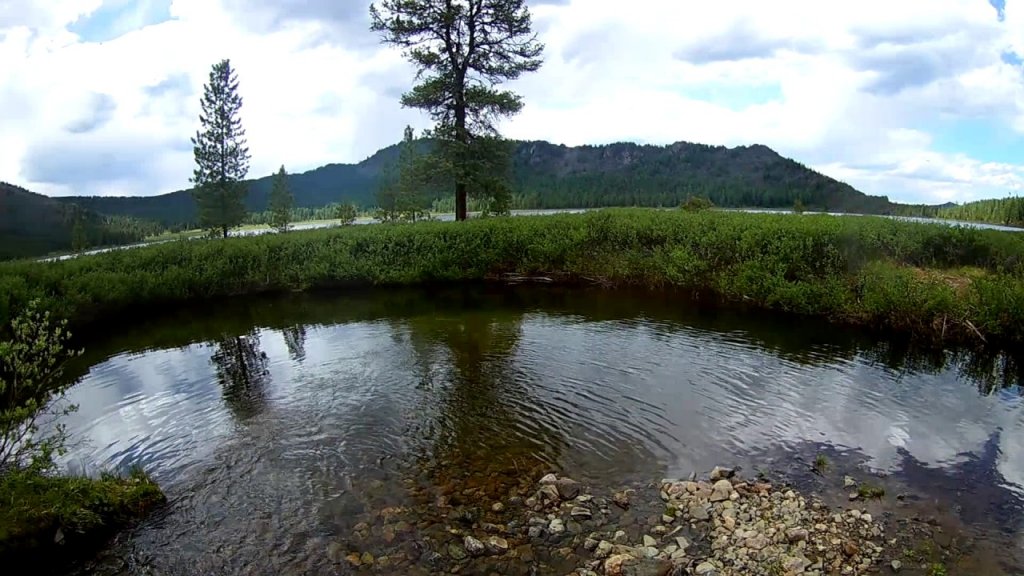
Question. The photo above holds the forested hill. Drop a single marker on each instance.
(546, 175)
(32, 224)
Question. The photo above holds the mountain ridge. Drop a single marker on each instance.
(548, 175)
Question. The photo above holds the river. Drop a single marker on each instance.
(290, 431)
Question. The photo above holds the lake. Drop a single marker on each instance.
(289, 431)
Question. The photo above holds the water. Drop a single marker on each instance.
(277, 425)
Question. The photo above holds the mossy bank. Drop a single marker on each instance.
(937, 282)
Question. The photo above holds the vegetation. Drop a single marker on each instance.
(42, 509)
(222, 157)
(462, 50)
(280, 202)
(798, 206)
(346, 213)
(545, 175)
(401, 195)
(821, 464)
(1002, 211)
(868, 491)
(32, 225)
(696, 204)
(935, 282)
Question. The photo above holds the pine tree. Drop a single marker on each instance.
(280, 201)
(221, 154)
(462, 50)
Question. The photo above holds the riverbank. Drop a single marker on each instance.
(943, 284)
(47, 521)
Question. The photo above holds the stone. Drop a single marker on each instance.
(354, 559)
(647, 567)
(705, 569)
(621, 499)
(548, 494)
(620, 536)
(866, 517)
(699, 512)
(794, 564)
(496, 545)
(720, 491)
(548, 479)
(603, 550)
(719, 473)
(590, 544)
(896, 565)
(757, 542)
(683, 543)
(567, 488)
(580, 512)
(457, 552)
(556, 526)
(614, 565)
(850, 548)
(497, 507)
(794, 535)
(849, 482)
(474, 546)
(649, 540)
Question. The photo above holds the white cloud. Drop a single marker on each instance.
(855, 90)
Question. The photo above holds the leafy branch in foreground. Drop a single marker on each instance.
(31, 365)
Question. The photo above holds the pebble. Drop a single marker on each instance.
(474, 547)
(896, 565)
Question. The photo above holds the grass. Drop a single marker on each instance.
(44, 517)
(937, 282)
(821, 463)
(867, 491)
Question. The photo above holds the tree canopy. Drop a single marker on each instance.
(462, 50)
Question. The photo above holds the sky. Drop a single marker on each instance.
(919, 100)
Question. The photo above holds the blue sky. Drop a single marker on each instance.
(921, 100)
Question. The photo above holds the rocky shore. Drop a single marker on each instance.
(719, 525)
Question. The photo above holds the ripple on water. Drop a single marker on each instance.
(333, 419)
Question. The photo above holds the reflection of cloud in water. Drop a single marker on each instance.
(723, 395)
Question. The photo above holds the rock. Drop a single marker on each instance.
(699, 512)
(647, 567)
(683, 543)
(794, 564)
(580, 512)
(58, 537)
(496, 545)
(621, 499)
(649, 540)
(497, 507)
(590, 544)
(896, 565)
(757, 542)
(854, 496)
(614, 565)
(567, 488)
(794, 535)
(473, 546)
(548, 480)
(719, 473)
(850, 548)
(354, 559)
(556, 526)
(604, 549)
(720, 491)
(866, 517)
(548, 494)
(620, 536)
(367, 558)
(849, 482)
(705, 569)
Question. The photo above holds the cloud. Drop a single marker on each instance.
(861, 91)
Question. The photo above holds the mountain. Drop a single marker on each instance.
(32, 224)
(547, 175)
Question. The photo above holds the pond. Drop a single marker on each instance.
(284, 429)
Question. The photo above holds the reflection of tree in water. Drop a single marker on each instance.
(295, 340)
(485, 431)
(242, 372)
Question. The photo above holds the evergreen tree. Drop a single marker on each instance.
(346, 213)
(280, 201)
(462, 50)
(221, 154)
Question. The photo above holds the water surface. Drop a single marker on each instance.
(276, 425)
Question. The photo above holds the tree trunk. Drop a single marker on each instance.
(463, 137)
(460, 201)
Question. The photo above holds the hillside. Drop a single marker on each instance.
(546, 175)
(32, 224)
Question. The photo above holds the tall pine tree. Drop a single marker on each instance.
(462, 50)
(280, 201)
(222, 157)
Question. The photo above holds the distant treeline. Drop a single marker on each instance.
(1004, 211)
